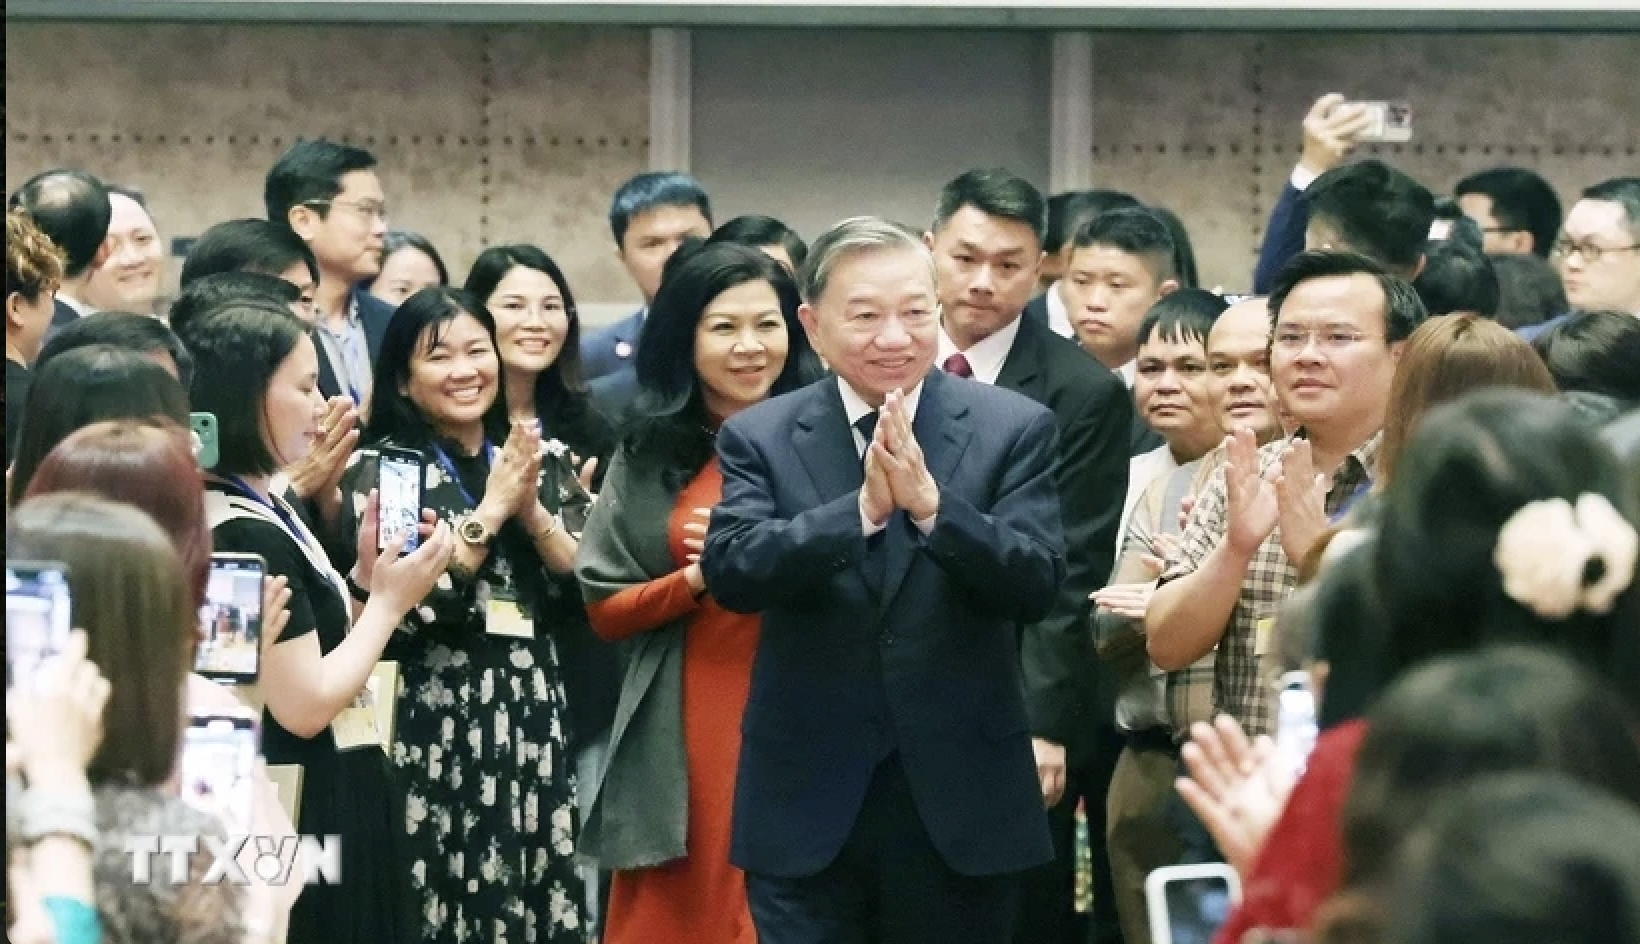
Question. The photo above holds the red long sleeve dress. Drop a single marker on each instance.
(700, 899)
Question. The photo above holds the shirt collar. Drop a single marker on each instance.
(1361, 465)
(855, 406)
(1059, 317)
(1127, 371)
(985, 356)
(352, 318)
(80, 308)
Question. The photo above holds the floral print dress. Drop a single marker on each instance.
(480, 734)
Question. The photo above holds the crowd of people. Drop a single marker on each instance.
(909, 585)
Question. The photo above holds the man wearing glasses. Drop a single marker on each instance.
(1340, 322)
(1599, 248)
(330, 196)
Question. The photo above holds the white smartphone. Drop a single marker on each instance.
(218, 764)
(1189, 903)
(1387, 122)
(38, 616)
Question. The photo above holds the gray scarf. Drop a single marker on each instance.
(638, 817)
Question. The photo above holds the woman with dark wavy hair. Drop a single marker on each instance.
(722, 335)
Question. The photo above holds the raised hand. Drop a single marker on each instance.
(877, 494)
(584, 478)
(54, 721)
(1330, 130)
(514, 484)
(317, 475)
(1301, 501)
(1237, 787)
(901, 458)
(402, 582)
(1250, 498)
(1127, 600)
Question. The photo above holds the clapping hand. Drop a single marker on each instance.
(1237, 787)
(317, 476)
(1301, 501)
(1250, 498)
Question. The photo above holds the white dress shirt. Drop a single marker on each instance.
(985, 357)
(1059, 317)
(854, 407)
(1127, 372)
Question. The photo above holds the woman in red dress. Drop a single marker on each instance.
(722, 335)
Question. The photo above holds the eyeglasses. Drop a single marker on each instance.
(1293, 340)
(369, 209)
(1591, 253)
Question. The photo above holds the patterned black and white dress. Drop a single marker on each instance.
(481, 732)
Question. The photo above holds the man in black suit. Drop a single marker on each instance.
(330, 196)
(650, 216)
(72, 208)
(987, 243)
(894, 527)
(246, 249)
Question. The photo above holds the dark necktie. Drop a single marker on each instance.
(867, 425)
(957, 364)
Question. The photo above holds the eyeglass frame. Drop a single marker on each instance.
(373, 211)
(1310, 336)
(1591, 253)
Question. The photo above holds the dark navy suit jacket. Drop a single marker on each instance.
(602, 351)
(900, 642)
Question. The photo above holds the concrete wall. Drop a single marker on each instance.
(522, 132)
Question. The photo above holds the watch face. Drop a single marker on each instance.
(473, 531)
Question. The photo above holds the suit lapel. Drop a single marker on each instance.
(824, 443)
(941, 432)
(1022, 368)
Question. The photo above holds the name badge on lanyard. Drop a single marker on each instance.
(504, 615)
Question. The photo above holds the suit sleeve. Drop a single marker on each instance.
(1092, 475)
(1010, 560)
(1283, 239)
(755, 560)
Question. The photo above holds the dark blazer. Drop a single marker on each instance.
(602, 351)
(329, 385)
(1283, 237)
(1036, 310)
(1093, 415)
(926, 664)
(375, 314)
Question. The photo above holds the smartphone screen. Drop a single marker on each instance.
(1197, 907)
(38, 616)
(230, 622)
(218, 764)
(399, 491)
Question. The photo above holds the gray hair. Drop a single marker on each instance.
(849, 238)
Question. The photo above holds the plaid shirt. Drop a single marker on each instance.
(1239, 686)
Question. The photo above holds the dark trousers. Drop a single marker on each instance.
(888, 885)
(1047, 913)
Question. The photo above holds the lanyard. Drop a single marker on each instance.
(245, 491)
(455, 477)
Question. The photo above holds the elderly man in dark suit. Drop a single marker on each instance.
(987, 244)
(895, 526)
